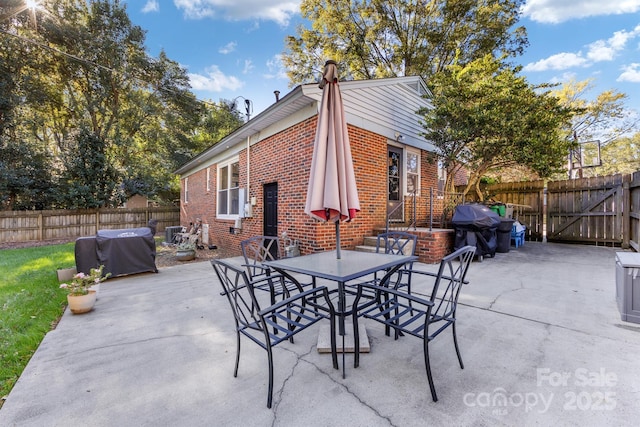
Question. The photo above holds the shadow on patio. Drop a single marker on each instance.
(538, 327)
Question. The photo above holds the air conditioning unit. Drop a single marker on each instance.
(170, 232)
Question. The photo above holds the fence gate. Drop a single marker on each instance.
(588, 210)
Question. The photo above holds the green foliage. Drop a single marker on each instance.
(25, 176)
(384, 38)
(91, 181)
(620, 156)
(31, 302)
(486, 116)
(604, 117)
(82, 283)
(84, 68)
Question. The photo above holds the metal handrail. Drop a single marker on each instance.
(401, 205)
(457, 197)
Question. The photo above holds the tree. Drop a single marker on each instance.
(85, 69)
(604, 118)
(140, 107)
(25, 176)
(385, 38)
(486, 116)
(91, 181)
(621, 155)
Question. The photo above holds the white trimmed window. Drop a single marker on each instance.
(413, 171)
(208, 179)
(186, 190)
(228, 202)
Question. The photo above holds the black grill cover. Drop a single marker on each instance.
(86, 254)
(476, 225)
(127, 251)
(475, 216)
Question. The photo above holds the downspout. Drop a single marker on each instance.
(248, 170)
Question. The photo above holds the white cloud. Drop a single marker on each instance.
(556, 11)
(214, 81)
(598, 51)
(630, 73)
(559, 61)
(565, 77)
(248, 66)
(228, 48)
(195, 9)
(276, 69)
(279, 11)
(606, 50)
(151, 6)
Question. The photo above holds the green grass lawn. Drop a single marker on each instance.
(31, 303)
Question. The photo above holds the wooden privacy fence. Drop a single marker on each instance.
(25, 226)
(528, 200)
(634, 212)
(598, 210)
(586, 210)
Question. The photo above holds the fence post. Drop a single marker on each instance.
(626, 207)
(40, 227)
(544, 213)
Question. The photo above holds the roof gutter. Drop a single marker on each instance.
(256, 124)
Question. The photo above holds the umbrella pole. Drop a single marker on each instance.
(338, 255)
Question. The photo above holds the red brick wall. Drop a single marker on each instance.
(285, 159)
(433, 246)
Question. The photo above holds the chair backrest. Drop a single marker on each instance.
(397, 243)
(256, 250)
(451, 275)
(240, 294)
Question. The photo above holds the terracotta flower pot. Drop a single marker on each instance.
(82, 303)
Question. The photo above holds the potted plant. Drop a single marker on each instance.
(82, 290)
(186, 251)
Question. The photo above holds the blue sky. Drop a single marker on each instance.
(231, 48)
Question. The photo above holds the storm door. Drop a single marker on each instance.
(394, 179)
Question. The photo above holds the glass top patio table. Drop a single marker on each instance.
(351, 265)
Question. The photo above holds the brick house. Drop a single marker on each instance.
(254, 181)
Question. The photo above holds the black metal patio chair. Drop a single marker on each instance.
(410, 314)
(395, 243)
(292, 315)
(398, 243)
(256, 251)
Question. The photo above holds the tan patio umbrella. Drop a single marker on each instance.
(332, 194)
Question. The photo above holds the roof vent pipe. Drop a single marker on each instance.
(277, 94)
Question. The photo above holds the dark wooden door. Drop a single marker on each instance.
(270, 194)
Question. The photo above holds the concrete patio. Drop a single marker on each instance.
(538, 327)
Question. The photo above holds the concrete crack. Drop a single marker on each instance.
(495, 300)
(302, 358)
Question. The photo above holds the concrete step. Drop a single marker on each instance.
(365, 248)
(371, 241)
(369, 244)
